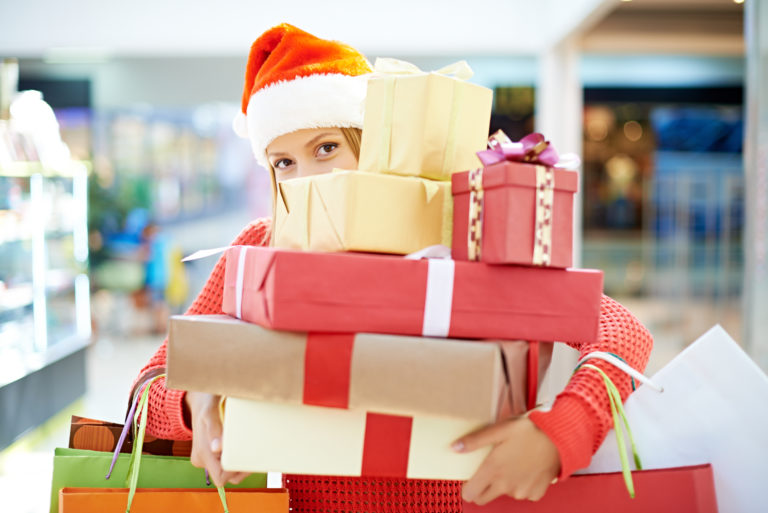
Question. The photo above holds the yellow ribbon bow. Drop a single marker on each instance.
(390, 66)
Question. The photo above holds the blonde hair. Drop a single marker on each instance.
(353, 136)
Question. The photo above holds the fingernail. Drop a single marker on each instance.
(216, 445)
(458, 446)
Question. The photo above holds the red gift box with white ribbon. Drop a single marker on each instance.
(364, 293)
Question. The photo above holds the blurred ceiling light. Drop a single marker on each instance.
(77, 55)
(633, 131)
(738, 1)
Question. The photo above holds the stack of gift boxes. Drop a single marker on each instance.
(340, 356)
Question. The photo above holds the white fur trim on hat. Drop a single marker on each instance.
(315, 101)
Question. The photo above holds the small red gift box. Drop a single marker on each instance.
(524, 214)
(362, 293)
(668, 490)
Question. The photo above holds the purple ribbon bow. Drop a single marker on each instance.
(533, 148)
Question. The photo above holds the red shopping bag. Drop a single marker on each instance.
(669, 490)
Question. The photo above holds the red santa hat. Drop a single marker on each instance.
(295, 80)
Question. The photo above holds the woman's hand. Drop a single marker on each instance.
(206, 437)
(522, 463)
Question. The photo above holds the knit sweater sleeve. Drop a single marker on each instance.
(166, 419)
(580, 416)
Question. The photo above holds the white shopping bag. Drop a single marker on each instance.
(714, 409)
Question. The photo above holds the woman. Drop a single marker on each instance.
(302, 110)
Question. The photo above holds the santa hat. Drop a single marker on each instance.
(295, 80)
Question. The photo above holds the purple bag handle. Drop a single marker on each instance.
(128, 424)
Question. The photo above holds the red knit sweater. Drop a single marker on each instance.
(577, 422)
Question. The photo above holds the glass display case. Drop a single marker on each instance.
(45, 321)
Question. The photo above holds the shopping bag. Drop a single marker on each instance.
(674, 490)
(714, 409)
(113, 500)
(89, 469)
(82, 468)
(101, 435)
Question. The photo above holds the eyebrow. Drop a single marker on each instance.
(314, 140)
(309, 143)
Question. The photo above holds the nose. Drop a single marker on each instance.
(313, 167)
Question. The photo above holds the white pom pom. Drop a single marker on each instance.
(240, 125)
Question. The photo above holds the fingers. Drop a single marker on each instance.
(473, 489)
(490, 493)
(480, 481)
(521, 464)
(238, 477)
(484, 491)
(216, 445)
(488, 435)
(206, 438)
(217, 474)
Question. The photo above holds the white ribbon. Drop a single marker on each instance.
(568, 161)
(622, 366)
(439, 296)
(436, 251)
(239, 283)
(204, 253)
(439, 299)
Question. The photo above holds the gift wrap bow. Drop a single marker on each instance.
(389, 66)
(531, 149)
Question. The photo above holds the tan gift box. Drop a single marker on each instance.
(356, 211)
(423, 124)
(388, 374)
(297, 439)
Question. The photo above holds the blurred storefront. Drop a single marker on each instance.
(663, 208)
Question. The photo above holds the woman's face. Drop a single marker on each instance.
(308, 152)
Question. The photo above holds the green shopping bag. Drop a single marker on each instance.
(77, 468)
(87, 469)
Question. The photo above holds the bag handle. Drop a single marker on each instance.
(139, 420)
(618, 413)
(623, 366)
(149, 374)
(532, 363)
(617, 408)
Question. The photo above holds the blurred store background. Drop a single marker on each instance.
(117, 157)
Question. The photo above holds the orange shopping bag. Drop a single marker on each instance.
(163, 500)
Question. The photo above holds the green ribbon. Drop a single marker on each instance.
(140, 428)
(617, 411)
